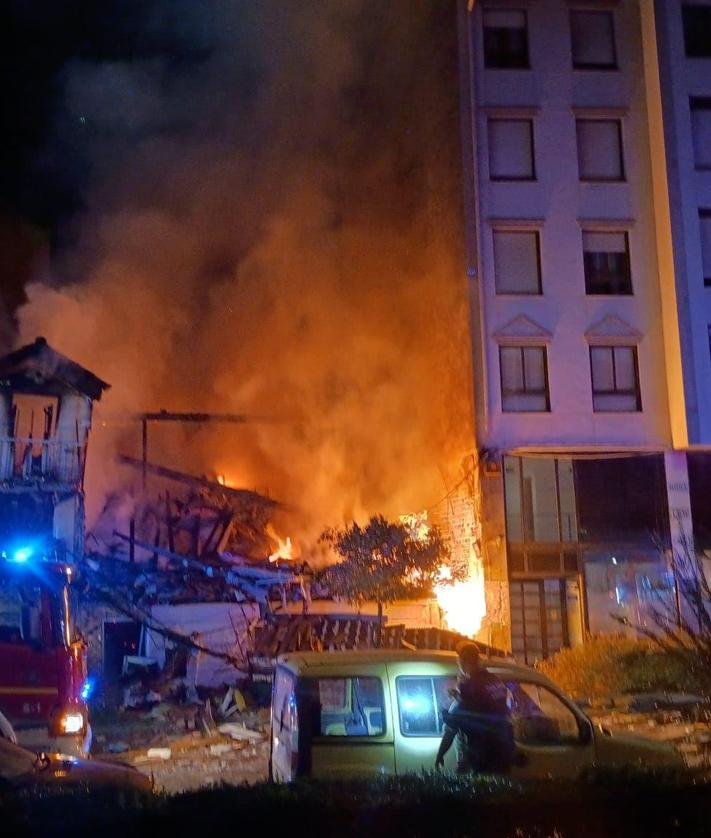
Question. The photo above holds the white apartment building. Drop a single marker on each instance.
(587, 146)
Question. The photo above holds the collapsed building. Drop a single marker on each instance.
(181, 578)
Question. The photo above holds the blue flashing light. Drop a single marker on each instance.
(21, 555)
(87, 689)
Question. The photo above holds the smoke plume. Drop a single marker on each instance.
(272, 227)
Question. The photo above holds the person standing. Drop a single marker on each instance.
(479, 719)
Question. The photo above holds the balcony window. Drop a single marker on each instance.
(511, 155)
(524, 379)
(505, 39)
(593, 40)
(600, 156)
(615, 379)
(607, 263)
(517, 262)
(697, 30)
(700, 107)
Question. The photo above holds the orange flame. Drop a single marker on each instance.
(284, 551)
(463, 603)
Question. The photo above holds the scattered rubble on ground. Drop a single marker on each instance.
(186, 747)
(681, 720)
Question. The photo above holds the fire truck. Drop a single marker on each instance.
(46, 403)
(44, 684)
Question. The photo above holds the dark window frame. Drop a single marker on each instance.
(496, 59)
(539, 270)
(704, 213)
(597, 67)
(696, 25)
(699, 103)
(636, 392)
(525, 391)
(626, 280)
(622, 177)
(531, 144)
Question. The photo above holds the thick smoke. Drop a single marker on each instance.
(272, 227)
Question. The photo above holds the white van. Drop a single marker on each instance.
(337, 714)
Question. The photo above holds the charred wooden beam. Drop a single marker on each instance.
(244, 495)
(172, 416)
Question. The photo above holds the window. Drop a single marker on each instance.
(511, 154)
(615, 379)
(524, 379)
(517, 268)
(505, 39)
(593, 40)
(697, 30)
(350, 706)
(420, 704)
(705, 231)
(701, 130)
(607, 263)
(540, 717)
(600, 149)
(540, 500)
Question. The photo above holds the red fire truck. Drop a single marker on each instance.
(43, 671)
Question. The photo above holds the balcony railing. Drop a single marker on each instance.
(44, 460)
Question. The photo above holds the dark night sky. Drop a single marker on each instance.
(249, 206)
(43, 170)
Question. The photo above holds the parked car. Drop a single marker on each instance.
(364, 712)
(21, 768)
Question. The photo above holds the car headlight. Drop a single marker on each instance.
(71, 722)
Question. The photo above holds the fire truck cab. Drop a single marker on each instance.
(43, 673)
(46, 403)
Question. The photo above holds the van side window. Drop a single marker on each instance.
(351, 706)
(420, 702)
(539, 717)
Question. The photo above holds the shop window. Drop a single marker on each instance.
(540, 500)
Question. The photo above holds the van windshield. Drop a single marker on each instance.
(350, 706)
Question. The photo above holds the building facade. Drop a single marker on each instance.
(587, 135)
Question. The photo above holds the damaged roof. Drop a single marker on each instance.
(37, 368)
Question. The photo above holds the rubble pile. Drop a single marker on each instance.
(682, 721)
(189, 746)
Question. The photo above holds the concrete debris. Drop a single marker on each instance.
(239, 731)
(158, 753)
